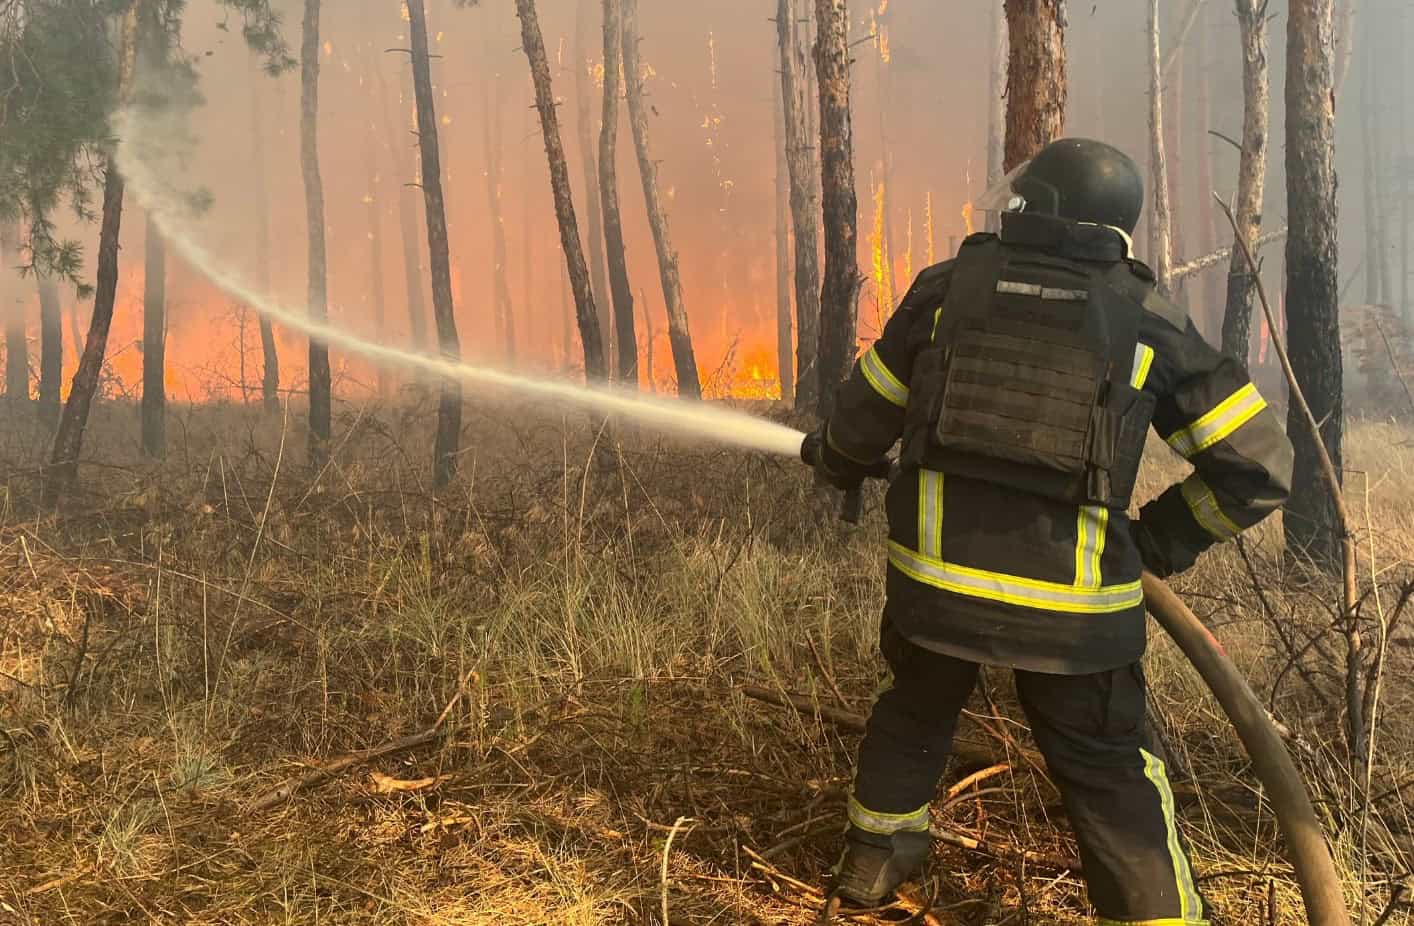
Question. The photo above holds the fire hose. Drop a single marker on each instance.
(1271, 762)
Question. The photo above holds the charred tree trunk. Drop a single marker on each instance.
(51, 351)
(839, 298)
(625, 340)
(534, 44)
(502, 307)
(12, 305)
(377, 291)
(154, 343)
(679, 331)
(270, 368)
(449, 406)
(1312, 284)
(785, 363)
(1161, 216)
(996, 107)
(1036, 77)
(800, 163)
(584, 123)
(1251, 176)
(63, 473)
(320, 385)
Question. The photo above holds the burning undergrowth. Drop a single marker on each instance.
(593, 606)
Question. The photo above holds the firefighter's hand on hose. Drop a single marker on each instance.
(1151, 551)
(833, 468)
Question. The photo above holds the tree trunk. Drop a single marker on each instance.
(270, 368)
(51, 351)
(1312, 284)
(625, 340)
(1376, 267)
(12, 304)
(1207, 233)
(1251, 176)
(584, 123)
(407, 221)
(996, 112)
(449, 406)
(154, 343)
(886, 172)
(679, 331)
(1036, 77)
(800, 163)
(320, 385)
(839, 298)
(62, 477)
(785, 364)
(534, 45)
(1161, 216)
(377, 294)
(502, 305)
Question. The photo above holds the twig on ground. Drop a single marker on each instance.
(667, 850)
(947, 837)
(977, 778)
(1397, 898)
(827, 674)
(342, 764)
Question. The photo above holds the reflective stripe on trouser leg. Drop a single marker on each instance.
(887, 824)
(909, 735)
(930, 513)
(1190, 904)
(1092, 731)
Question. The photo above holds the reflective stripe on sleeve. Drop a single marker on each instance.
(1190, 906)
(1091, 526)
(1232, 413)
(1143, 363)
(1206, 510)
(882, 379)
(886, 824)
(930, 513)
(1014, 590)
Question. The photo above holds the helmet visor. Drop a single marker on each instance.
(1000, 197)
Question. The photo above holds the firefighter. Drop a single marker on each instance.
(1022, 378)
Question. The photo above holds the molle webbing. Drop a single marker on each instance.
(1020, 389)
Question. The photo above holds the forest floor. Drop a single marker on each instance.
(573, 624)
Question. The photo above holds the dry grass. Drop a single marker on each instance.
(189, 635)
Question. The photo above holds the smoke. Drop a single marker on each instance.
(151, 168)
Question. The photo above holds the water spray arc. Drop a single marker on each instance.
(172, 214)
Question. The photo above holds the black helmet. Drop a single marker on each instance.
(1083, 181)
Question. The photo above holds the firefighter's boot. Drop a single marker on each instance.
(873, 865)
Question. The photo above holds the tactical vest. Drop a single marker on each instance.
(1026, 380)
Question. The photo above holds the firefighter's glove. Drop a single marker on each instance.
(1151, 551)
(833, 468)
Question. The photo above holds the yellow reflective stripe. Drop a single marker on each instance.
(1231, 414)
(886, 824)
(937, 317)
(1190, 906)
(1143, 362)
(1091, 526)
(882, 379)
(930, 513)
(1206, 510)
(1014, 590)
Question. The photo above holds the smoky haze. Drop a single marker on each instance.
(920, 94)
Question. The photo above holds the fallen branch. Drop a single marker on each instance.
(855, 723)
(1213, 258)
(1058, 863)
(342, 764)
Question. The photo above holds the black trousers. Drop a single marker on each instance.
(1091, 730)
